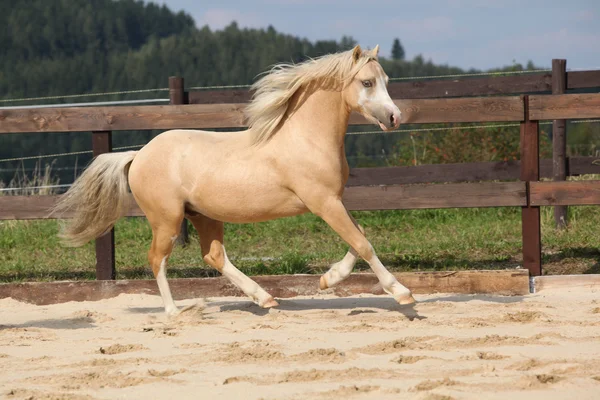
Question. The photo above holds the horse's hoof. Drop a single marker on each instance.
(323, 283)
(270, 303)
(172, 313)
(406, 299)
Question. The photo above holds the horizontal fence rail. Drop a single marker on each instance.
(358, 198)
(439, 88)
(463, 172)
(564, 106)
(565, 193)
(206, 116)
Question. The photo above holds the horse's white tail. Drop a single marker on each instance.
(97, 198)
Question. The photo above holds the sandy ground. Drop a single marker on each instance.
(542, 346)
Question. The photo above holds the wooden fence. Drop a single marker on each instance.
(432, 101)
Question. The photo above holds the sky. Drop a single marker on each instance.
(479, 34)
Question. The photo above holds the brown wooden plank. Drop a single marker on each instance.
(176, 90)
(565, 193)
(206, 116)
(564, 106)
(486, 194)
(559, 139)
(530, 215)
(432, 173)
(421, 89)
(438, 88)
(583, 165)
(38, 207)
(78, 119)
(473, 109)
(583, 79)
(105, 256)
(219, 96)
(532, 242)
(481, 171)
(26, 207)
(561, 282)
(105, 244)
(504, 282)
(177, 97)
(464, 87)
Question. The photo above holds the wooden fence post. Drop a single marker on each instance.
(530, 171)
(559, 139)
(177, 97)
(105, 244)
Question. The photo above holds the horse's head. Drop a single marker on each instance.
(367, 92)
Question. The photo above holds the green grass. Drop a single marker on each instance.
(412, 240)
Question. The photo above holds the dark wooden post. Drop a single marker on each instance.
(105, 244)
(177, 97)
(559, 138)
(530, 216)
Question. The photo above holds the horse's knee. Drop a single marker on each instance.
(365, 250)
(215, 256)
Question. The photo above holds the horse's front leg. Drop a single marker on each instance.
(341, 269)
(334, 213)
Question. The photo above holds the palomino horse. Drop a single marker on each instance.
(290, 161)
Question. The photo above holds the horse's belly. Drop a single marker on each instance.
(243, 203)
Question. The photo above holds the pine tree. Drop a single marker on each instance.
(397, 50)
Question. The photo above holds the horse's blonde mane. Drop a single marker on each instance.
(274, 90)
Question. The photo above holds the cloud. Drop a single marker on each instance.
(219, 18)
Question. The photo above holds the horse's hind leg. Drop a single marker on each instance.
(164, 234)
(341, 269)
(213, 253)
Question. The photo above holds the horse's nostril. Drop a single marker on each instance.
(392, 120)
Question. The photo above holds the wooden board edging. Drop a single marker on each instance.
(501, 282)
(584, 281)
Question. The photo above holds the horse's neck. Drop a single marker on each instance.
(318, 115)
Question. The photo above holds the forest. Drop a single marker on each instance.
(59, 47)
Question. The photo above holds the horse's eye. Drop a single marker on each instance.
(367, 83)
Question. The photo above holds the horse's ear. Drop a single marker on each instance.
(356, 53)
(375, 52)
